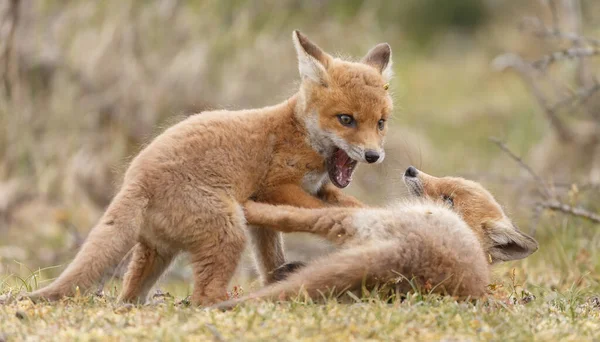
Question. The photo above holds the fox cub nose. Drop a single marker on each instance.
(411, 172)
(371, 156)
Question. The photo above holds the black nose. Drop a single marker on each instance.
(371, 156)
(411, 172)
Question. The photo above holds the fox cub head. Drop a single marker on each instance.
(344, 105)
(478, 208)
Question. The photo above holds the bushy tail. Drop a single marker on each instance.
(339, 272)
(384, 262)
(108, 242)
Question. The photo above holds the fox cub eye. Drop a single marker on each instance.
(346, 120)
(381, 124)
(448, 200)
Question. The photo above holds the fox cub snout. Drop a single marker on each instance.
(347, 106)
(478, 208)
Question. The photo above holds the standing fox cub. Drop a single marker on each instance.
(446, 239)
(182, 193)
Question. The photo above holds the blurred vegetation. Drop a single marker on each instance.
(87, 84)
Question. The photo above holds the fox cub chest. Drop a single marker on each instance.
(313, 181)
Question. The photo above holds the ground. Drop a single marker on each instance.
(567, 312)
(101, 78)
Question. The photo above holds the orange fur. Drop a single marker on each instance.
(182, 193)
(424, 240)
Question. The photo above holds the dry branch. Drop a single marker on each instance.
(542, 186)
(572, 53)
(528, 73)
(567, 209)
(549, 203)
(580, 95)
(536, 27)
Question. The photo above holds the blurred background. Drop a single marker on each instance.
(85, 84)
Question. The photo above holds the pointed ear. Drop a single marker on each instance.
(508, 242)
(312, 61)
(380, 57)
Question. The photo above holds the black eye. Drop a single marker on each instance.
(346, 120)
(448, 200)
(381, 124)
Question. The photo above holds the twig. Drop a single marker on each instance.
(567, 209)
(535, 220)
(575, 52)
(581, 95)
(527, 72)
(499, 179)
(572, 9)
(535, 26)
(542, 186)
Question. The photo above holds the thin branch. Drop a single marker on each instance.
(513, 61)
(572, 53)
(535, 220)
(581, 95)
(575, 211)
(535, 26)
(542, 186)
(499, 179)
(573, 13)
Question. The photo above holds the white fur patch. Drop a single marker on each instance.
(317, 137)
(369, 223)
(313, 181)
(502, 233)
(388, 71)
(308, 66)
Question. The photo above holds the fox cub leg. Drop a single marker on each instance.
(213, 271)
(268, 251)
(215, 244)
(268, 244)
(334, 224)
(332, 195)
(146, 266)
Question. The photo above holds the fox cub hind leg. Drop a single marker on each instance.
(215, 244)
(213, 271)
(146, 266)
(213, 235)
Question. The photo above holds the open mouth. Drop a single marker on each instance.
(340, 168)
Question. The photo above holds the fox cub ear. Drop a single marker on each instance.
(508, 242)
(312, 61)
(380, 57)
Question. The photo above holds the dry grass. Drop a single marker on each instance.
(96, 80)
(508, 314)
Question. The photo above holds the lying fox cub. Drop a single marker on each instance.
(447, 237)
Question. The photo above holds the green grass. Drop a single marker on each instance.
(570, 315)
(553, 295)
(446, 96)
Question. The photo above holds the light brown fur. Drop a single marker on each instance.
(182, 193)
(423, 240)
